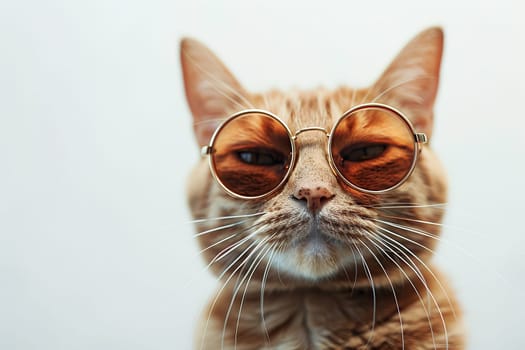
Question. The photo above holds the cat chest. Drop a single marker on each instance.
(306, 322)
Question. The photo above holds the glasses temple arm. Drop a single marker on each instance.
(205, 150)
(421, 137)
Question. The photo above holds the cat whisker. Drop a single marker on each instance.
(240, 280)
(368, 274)
(228, 217)
(391, 244)
(263, 286)
(466, 252)
(219, 228)
(280, 249)
(402, 248)
(232, 274)
(395, 86)
(418, 274)
(410, 263)
(342, 266)
(355, 268)
(409, 229)
(209, 121)
(393, 291)
(235, 245)
(241, 254)
(407, 206)
(461, 249)
(265, 101)
(415, 256)
(450, 243)
(404, 238)
(254, 268)
(354, 95)
(219, 242)
(225, 251)
(415, 220)
(228, 89)
(430, 295)
(425, 222)
(231, 248)
(426, 234)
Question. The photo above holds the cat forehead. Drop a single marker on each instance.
(306, 108)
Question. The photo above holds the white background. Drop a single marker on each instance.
(95, 144)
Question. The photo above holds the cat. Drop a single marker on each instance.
(317, 263)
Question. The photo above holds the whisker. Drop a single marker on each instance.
(220, 228)
(384, 92)
(405, 238)
(263, 286)
(228, 280)
(227, 87)
(418, 274)
(415, 256)
(368, 274)
(428, 234)
(241, 254)
(228, 217)
(226, 251)
(408, 206)
(280, 249)
(265, 101)
(393, 292)
(355, 268)
(409, 229)
(219, 242)
(209, 121)
(354, 94)
(248, 282)
(239, 285)
(415, 220)
(404, 248)
(450, 243)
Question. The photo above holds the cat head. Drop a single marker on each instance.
(315, 227)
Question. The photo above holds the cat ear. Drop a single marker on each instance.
(211, 90)
(410, 82)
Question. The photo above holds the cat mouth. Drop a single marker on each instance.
(317, 243)
(319, 249)
(315, 255)
(321, 233)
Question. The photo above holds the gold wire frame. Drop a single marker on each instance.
(419, 139)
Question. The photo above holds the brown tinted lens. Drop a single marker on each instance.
(373, 148)
(251, 154)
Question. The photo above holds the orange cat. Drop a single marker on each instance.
(319, 210)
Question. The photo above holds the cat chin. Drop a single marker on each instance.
(314, 259)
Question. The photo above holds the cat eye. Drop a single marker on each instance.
(372, 148)
(260, 157)
(359, 153)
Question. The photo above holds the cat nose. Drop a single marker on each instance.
(314, 196)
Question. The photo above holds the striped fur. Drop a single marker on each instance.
(356, 273)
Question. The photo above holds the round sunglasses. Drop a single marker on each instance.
(372, 148)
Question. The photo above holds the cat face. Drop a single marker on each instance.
(315, 227)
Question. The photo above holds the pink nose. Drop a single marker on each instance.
(314, 196)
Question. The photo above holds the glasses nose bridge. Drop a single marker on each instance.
(310, 128)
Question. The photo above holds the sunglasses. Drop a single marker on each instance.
(372, 148)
